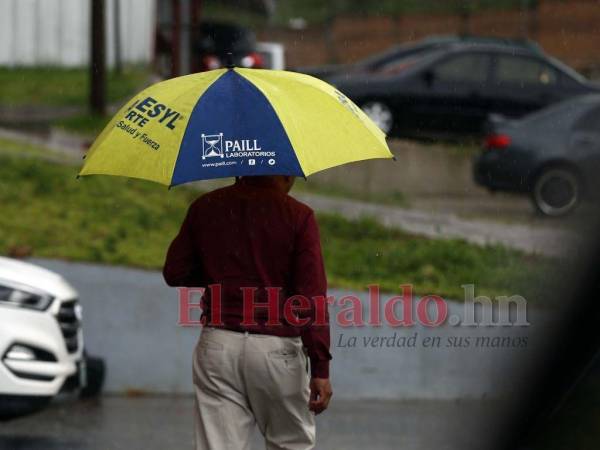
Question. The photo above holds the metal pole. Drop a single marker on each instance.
(98, 58)
(185, 37)
(196, 15)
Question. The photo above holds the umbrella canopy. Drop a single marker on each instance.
(234, 122)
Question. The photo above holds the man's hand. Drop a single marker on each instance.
(320, 394)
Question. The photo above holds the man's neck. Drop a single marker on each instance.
(263, 182)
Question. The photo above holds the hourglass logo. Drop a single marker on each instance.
(212, 145)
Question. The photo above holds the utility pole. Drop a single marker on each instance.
(98, 58)
(196, 20)
(175, 38)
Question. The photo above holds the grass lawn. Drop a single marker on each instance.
(111, 220)
(53, 86)
(86, 124)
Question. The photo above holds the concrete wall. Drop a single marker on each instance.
(418, 170)
(56, 32)
(130, 318)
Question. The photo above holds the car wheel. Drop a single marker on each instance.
(556, 191)
(380, 114)
(96, 374)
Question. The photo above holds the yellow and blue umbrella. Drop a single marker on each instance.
(234, 122)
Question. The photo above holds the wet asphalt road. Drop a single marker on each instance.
(153, 423)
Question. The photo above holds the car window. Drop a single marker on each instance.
(524, 71)
(472, 68)
(389, 56)
(400, 64)
(590, 121)
(568, 73)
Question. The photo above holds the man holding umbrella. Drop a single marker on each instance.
(252, 237)
(250, 243)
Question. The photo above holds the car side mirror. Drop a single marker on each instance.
(428, 77)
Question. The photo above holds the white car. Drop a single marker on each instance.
(41, 341)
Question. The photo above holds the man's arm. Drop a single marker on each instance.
(310, 281)
(182, 266)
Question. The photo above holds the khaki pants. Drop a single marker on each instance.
(245, 379)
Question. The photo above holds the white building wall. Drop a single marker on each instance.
(57, 32)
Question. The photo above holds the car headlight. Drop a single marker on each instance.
(24, 298)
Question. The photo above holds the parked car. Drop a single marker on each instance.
(41, 340)
(553, 155)
(398, 52)
(215, 40)
(452, 91)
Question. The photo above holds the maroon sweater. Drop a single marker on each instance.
(252, 235)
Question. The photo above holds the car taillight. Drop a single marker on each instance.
(497, 141)
(210, 62)
(253, 60)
